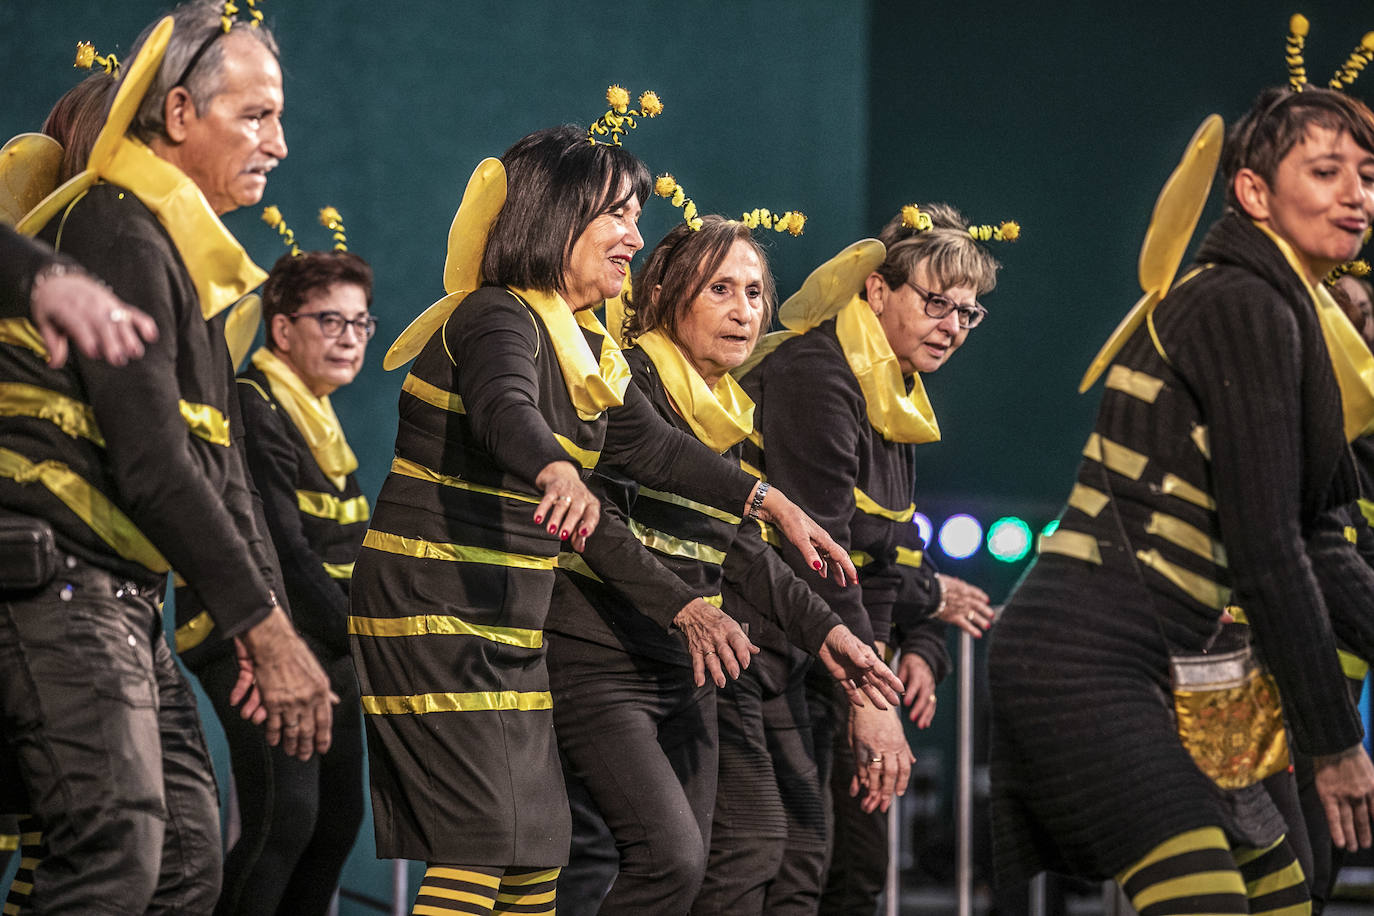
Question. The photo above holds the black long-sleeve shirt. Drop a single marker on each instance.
(148, 445)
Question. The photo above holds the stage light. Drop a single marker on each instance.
(1009, 539)
(961, 536)
(924, 527)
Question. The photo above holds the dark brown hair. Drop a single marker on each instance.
(296, 278)
(76, 119)
(680, 266)
(556, 184)
(1278, 120)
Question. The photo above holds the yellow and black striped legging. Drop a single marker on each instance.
(476, 890)
(1198, 872)
(31, 849)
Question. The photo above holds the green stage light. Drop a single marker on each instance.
(1009, 539)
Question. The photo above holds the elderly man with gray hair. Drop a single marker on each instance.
(110, 477)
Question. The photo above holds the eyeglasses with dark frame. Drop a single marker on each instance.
(938, 306)
(332, 324)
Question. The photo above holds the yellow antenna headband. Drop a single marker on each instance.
(1297, 70)
(620, 119)
(329, 218)
(793, 221)
(86, 58)
(913, 217)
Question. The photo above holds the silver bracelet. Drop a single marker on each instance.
(757, 503)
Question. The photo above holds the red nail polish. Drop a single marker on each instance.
(539, 519)
(553, 529)
(583, 532)
(816, 565)
(564, 534)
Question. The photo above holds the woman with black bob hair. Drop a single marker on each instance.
(513, 399)
(1219, 454)
(633, 728)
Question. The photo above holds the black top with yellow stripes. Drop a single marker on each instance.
(133, 466)
(697, 543)
(1211, 477)
(814, 440)
(316, 527)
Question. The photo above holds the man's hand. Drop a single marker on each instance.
(1345, 783)
(68, 303)
(882, 759)
(718, 645)
(293, 687)
(858, 669)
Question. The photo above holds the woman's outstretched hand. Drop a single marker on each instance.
(859, 669)
(817, 548)
(718, 645)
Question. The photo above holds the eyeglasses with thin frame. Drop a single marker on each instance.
(332, 324)
(938, 306)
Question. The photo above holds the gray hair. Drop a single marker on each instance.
(197, 25)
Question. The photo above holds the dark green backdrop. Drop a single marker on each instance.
(1066, 117)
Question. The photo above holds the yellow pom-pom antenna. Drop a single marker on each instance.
(272, 217)
(1297, 37)
(1354, 268)
(1357, 61)
(1008, 231)
(331, 220)
(231, 10)
(913, 218)
(792, 222)
(666, 186)
(87, 58)
(619, 119)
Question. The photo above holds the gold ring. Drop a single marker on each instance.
(566, 500)
(875, 760)
(117, 315)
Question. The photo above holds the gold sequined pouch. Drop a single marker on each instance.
(1229, 717)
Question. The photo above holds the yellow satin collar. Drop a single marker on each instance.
(594, 384)
(899, 415)
(314, 417)
(719, 416)
(219, 267)
(1350, 357)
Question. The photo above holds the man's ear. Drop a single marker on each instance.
(1252, 192)
(177, 112)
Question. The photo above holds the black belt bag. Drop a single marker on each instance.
(28, 553)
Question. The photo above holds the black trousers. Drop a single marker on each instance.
(768, 843)
(857, 871)
(103, 728)
(299, 818)
(641, 739)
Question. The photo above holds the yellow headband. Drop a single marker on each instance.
(329, 218)
(793, 221)
(620, 119)
(914, 218)
(86, 57)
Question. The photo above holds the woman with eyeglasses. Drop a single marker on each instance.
(841, 408)
(299, 818)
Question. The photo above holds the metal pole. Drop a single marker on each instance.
(894, 856)
(400, 892)
(963, 799)
(1037, 894)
